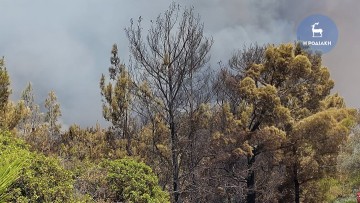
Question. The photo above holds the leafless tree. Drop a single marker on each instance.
(167, 60)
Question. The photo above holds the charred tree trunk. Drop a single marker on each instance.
(175, 163)
(250, 181)
(296, 184)
(127, 135)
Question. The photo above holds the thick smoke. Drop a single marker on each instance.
(65, 45)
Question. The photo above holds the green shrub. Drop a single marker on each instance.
(32, 177)
(13, 159)
(134, 182)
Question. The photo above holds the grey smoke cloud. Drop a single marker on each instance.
(65, 45)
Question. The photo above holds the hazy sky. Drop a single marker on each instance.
(65, 45)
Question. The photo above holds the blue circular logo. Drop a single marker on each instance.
(318, 32)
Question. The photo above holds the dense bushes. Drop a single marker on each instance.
(32, 177)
